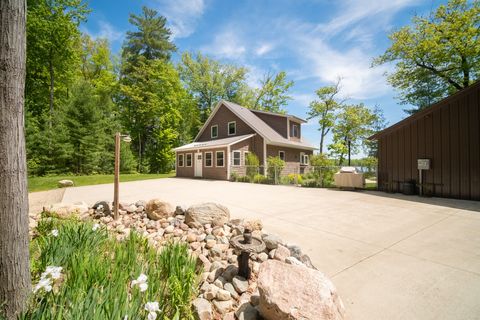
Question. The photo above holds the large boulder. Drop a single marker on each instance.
(65, 183)
(67, 210)
(296, 292)
(157, 209)
(207, 213)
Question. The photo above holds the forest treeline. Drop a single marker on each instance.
(78, 93)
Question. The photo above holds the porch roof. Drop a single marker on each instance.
(214, 143)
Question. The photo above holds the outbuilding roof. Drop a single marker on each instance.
(214, 143)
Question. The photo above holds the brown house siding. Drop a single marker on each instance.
(448, 133)
(222, 118)
(278, 123)
(292, 158)
(184, 171)
(299, 131)
(214, 172)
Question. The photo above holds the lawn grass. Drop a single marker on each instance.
(51, 182)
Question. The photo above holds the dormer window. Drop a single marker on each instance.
(214, 131)
(295, 130)
(232, 128)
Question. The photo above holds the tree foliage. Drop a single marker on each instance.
(210, 81)
(150, 40)
(436, 55)
(325, 109)
(355, 124)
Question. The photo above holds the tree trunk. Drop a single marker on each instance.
(52, 86)
(322, 137)
(14, 240)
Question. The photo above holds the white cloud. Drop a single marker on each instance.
(264, 49)
(182, 15)
(106, 31)
(226, 45)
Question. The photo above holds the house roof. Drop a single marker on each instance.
(214, 143)
(426, 111)
(289, 116)
(263, 129)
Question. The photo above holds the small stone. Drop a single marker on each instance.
(177, 232)
(195, 245)
(141, 203)
(202, 260)
(229, 287)
(179, 211)
(271, 254)
(255, 298)
(215, 274)
(220, 282)
(229, 316)
(170, 229)
(202, 309)
(262, 256)
(223, 295)
(201, 237)
(191, 237)
(223, 306)
(255, 267)
(211, 243)
(211, 293)
(205, 287)
(294, 261)
(230, 272)
(246, 312)
(272, 241)
(240, 284)
(281, 253)
(131, 208)
(184, 227)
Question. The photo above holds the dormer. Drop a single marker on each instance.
(294, 130)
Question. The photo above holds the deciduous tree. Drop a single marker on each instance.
(325, 109)
(436, 55)
(14, 239)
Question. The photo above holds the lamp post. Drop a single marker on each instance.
(127, 139)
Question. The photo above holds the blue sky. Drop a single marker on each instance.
(314, 41)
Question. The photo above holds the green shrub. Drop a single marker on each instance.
(275, 166)
(323, 170)
(259, 178)
(234, 176)
(253, 164)
(97, 274)
(245, 179)
(293, 178)
(310, 183)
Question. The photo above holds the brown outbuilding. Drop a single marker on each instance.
(436, 151)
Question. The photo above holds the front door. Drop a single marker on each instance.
(198, 165)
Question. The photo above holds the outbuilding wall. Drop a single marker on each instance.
(448, 133)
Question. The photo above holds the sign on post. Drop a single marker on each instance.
(423, 164)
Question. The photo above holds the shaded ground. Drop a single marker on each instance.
(391, 256)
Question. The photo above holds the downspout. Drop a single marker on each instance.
(264, 158)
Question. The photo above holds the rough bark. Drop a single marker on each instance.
(14, 240)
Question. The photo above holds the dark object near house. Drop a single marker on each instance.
(438, 147)
(103, 207)
(408, 188)
(247, 244)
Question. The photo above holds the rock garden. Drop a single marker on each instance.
(242, 271)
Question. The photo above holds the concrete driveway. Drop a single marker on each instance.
(390, 256)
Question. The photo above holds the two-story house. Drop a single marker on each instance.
(232, 131)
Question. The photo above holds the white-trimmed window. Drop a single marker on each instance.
(304, 158)
(245, 155)
(295, 130)
(232, 128)
(214, 131)
(281, 155)
(180, 160)
(208, 159)
(188, 160)
(236, 158)
(220, 159)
